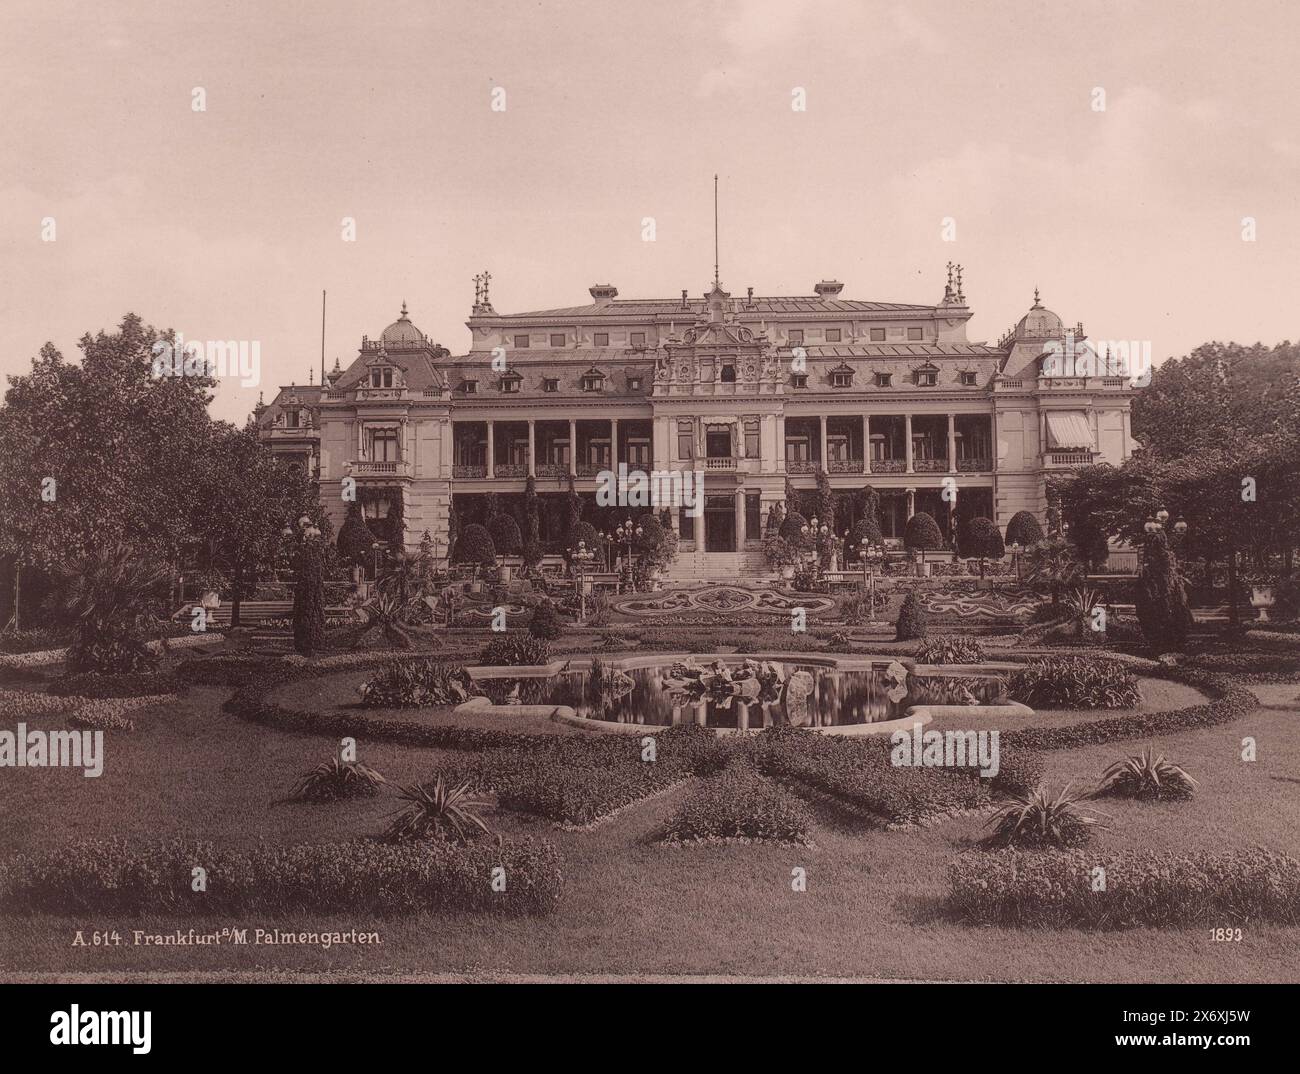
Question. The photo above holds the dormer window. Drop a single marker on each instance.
(842, 376)
(600, 339)
(833, 335)
(291, 419)
(796, 337)
(509, 383)
(638, 340)
(877, 335)
(634, 384)
(968, 380)
(550, 384)
(798, 380)
(557, 339)
(915, 335)
(521, 342)
(469, 387)
(593, 381)
(927, 378)
(884, 380)
(381, 378)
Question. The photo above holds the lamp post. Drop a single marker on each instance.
(581, 558)
(375, 548)
(868, 553)
(1015, 548)
(625, 534)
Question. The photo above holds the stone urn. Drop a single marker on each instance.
(1261, 598)
(210, 599)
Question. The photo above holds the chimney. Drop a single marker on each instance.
(829, 288)
(749, 296)
(603, 293)
(685, 304)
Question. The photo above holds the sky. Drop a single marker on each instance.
(227, 223)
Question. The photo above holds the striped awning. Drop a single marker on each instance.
(1068, 429)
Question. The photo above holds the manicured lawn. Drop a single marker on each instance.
(872, 907)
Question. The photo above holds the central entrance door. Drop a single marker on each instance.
(719, 523)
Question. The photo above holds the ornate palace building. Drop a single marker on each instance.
(754, 391)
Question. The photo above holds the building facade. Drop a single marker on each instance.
(757, 393)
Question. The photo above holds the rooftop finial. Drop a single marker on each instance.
(716, 282)
(403, 317)
(961, 296)
(1037, 304)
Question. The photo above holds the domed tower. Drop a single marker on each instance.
(1039, 323)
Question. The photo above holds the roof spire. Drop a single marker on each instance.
(1037, 304)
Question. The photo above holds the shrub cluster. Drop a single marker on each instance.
(128, 684)
(546, 622)
(739, 803)
(415, 684)
(1232, 702)
(1249, 667)
(114, 877)
(1075, 682)
(950, 649)
(1158, 888)
(516, 650)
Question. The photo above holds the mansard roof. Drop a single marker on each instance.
(624, 309)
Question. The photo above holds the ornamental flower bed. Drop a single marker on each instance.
(740, 803)
(112, 876)
(1159, 888)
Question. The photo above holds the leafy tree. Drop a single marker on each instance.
(825, 500)
(504, 531)
(101, 452)
(1024, 530)
(532, 535)
(792, 530)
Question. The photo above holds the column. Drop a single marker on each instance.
(532, 447)
(907, 446)
(821, 425)
(740, 519)
(911, 502)
(952, 444)
(491, 450)
(780, 443)
(613, 444)
(573, 448)
(866, 444)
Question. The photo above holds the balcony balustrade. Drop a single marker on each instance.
(376, 468)
(552, 469)
(468, 471)
(1064, 460)
(510, 469)
(930, 466)
(889, 466)
(719, 463)
(800, 466)
(846, 466)
(975, 465)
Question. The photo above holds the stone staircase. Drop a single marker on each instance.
(749, 567)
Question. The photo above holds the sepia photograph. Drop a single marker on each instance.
(788, 492)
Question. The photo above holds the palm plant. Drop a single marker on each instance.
(334, 779)
(437, 810)
(404, 575)
(110, 593)
(1037, 819)
(1052, 564)
(1083, 603)
(388, 614)
(1146, 776)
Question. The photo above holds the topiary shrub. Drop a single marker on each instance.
(950, 649)
(792, 528)
(546, 622)
(1024, 530)
(1075, 682)
(865, 530)
(354, 539)
(922, 534)
(982, 541)
(309, 598)
(516, 650)
(911, 625)
(1159, 597)
(475, 546)
(504, 531)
